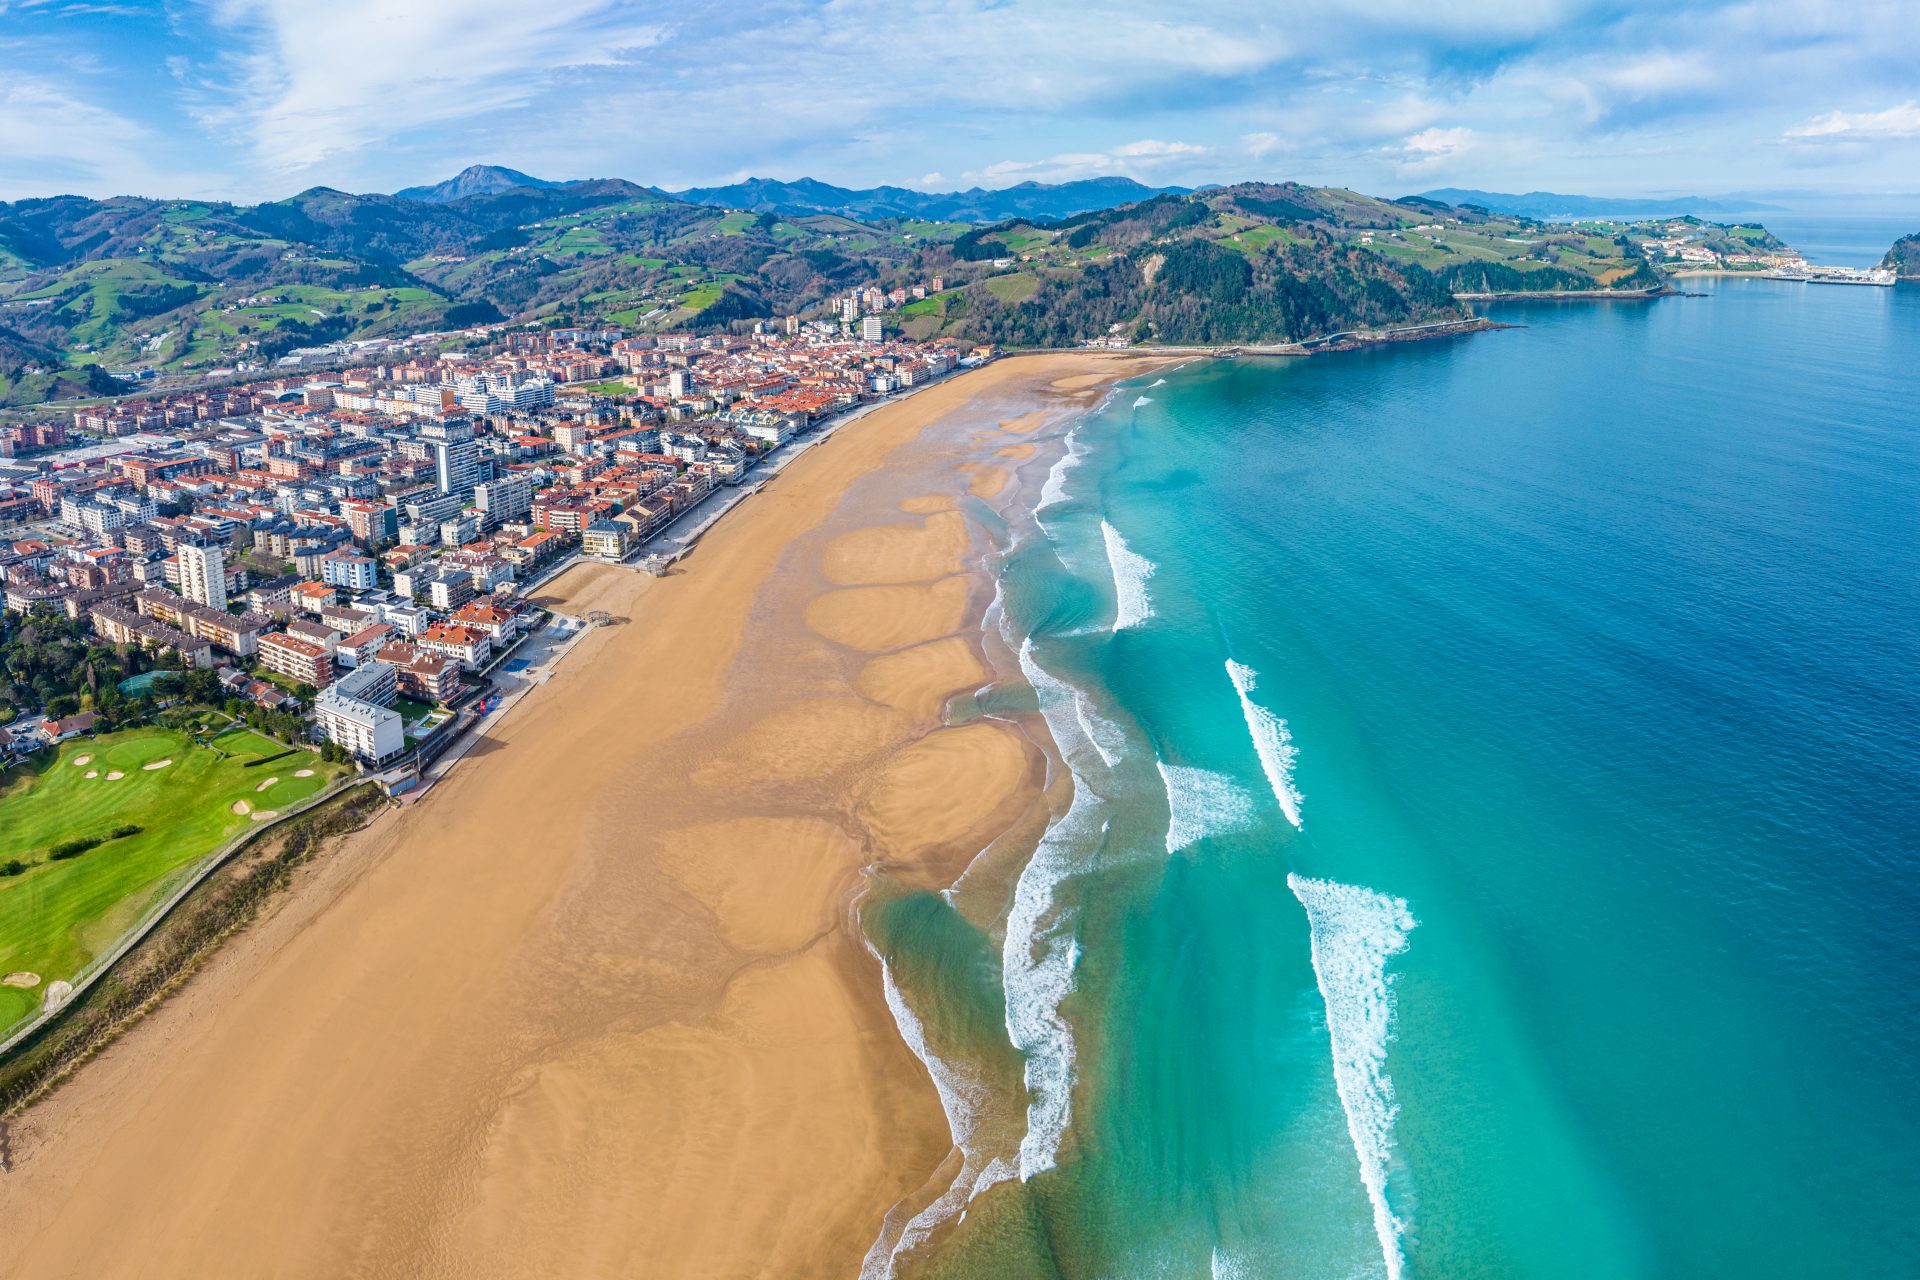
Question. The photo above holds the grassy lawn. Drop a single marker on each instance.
(58, 915)
(611, 388)
(1014, 288)
(412, 710)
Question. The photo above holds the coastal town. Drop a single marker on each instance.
(352, 550)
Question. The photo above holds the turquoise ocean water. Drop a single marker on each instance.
(1495, 815)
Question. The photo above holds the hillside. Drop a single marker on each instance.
(1904, 257)
(184, 288)
(1255, 263)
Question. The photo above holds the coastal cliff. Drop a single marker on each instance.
(1904, 257)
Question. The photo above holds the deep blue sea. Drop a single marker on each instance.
(1495, 815)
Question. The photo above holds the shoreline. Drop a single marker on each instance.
(603, 978)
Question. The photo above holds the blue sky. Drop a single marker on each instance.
(257, 99)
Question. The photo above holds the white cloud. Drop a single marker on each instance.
(314, 81)
(1148, 150)
(1434, 150)
(1902, 121)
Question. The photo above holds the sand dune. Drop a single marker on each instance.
(592, 1007)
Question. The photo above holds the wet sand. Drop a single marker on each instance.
(596, 1005)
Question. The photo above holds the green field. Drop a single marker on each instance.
(57, 915)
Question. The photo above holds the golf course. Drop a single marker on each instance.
(106, 827)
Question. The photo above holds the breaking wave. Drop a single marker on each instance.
(1354, 933)
(1054, 491)
(1143, 400)
(961, 1097)
(1157, 382)
(1132, 604)
(1202, 803)
(1271, 741)
(1039, 953)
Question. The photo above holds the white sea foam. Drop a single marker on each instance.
(1107, 737)
(1355, 931)
(1157, 382)
(1039, 953)
(1132, 604)
(1223, 1266)
(1201, 804)
(961, 1097)
(1143, 400)
(1271, 741)
(1054, 491)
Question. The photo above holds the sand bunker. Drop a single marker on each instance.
(93, 773)
(158, 764)
(80, 760)
(269, 782)
(115, 775)
(21, 979)
(266, 815)
(241, 807)
(303, 773)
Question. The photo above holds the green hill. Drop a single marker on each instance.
(1904, 257)
(182, 287)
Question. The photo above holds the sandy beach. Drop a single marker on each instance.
(596, 1005)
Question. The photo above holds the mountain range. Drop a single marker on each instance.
(805, 196)
(1550, 204)
(979, 205)
(185, 288)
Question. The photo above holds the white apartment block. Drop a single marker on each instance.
(203, 574)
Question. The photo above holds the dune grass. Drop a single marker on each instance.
(58, 914)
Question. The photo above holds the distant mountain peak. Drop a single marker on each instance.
(474, 180)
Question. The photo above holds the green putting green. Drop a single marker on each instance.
(186, 799)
